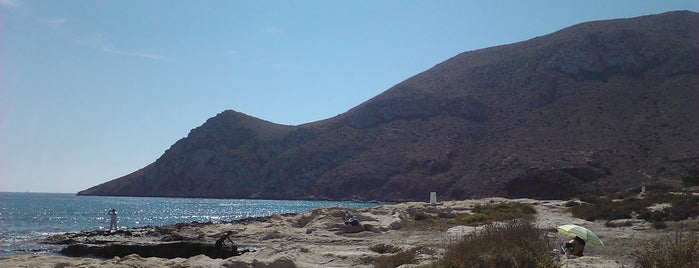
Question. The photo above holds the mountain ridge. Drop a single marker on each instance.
(595, 107)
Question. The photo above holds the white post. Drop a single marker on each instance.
(433, 198)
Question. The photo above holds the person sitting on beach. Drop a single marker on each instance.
(222, 240)
(113, 222)
(351, 220)
(575, 246)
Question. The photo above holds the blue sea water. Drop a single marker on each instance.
(27, 218)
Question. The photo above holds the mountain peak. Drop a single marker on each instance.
(596, 107)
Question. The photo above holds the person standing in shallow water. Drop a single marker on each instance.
(113, 222)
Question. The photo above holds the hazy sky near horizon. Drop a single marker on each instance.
(94, 90)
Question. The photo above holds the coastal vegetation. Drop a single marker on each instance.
(395, 260)
(479, 215)
(655, 206)
(679, 251)
(514, 241)
(502, 212)
(517, 243)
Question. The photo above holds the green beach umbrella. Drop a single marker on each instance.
(573, 230)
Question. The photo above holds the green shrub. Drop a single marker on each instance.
(651, 215)
(611, 210)
(683, 206)
(678, 252)
(589, 198)
(506, 211)
(624, 195)
(515, 244)
(481, 215)
(472, 218)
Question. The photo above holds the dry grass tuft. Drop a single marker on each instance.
(395, 260)
(681, 251)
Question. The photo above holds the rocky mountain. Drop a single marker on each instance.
(594, 108)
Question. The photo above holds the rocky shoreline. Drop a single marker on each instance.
(183, 240)
(318, 238)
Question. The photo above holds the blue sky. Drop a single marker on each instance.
(94, 90)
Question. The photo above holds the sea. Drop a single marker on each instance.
(28, 218)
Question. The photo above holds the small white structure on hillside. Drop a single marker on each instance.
(433, 198)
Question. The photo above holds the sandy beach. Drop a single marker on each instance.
(319, 238)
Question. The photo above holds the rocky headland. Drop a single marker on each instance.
(319, 238)
(594, 108)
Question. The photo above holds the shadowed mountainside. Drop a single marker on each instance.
(597, 107)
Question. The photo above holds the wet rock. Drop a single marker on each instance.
(161, 250)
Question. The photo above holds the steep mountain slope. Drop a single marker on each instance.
(597, 107)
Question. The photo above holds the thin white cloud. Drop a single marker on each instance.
(138, 54)
(9, 3)
(101, 42)
(231, 52)
(52, 22)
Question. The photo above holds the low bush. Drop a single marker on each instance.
(472, 218)
(683, 206)
(395, 260)
(482, 214)
(608, 209)
(682, 251)
(571, 203)
(659, 225)
(517, 243)
(506, 211)
(421, 216)
(384, 248)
